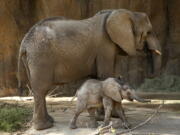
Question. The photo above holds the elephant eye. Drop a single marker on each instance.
(125, 87)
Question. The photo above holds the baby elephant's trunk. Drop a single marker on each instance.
(140, 99)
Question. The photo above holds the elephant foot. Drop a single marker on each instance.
(42, 125)
(50, 119)
(72, 126)
(93, 124)
(105, 124)
(126, 125)
(99, 117)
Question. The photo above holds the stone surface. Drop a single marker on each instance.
(17, 16)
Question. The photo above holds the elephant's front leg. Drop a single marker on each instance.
(41, 118)
(108, 106)
(99, 114)
(119, 110)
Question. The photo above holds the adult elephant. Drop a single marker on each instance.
(57, 51)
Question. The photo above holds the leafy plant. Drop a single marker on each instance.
(162, 83)
(13, 117)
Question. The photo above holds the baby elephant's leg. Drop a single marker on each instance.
(99, 114)
(93, 122)
(80, 107)
(120, 112)
(108, 106)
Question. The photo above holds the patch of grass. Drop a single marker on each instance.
(13, 117)
(168, 83)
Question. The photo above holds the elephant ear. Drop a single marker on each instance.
(112, 90)
(119, 26)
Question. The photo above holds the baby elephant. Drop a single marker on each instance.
(109, 93)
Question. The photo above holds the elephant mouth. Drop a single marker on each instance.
(122, 52)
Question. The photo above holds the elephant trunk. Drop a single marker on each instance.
(140, 99)
(155, 50)
(156, 64)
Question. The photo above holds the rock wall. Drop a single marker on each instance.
(173, 38)
(17, 16)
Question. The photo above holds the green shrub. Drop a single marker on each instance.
(13, 117)
(163, 83)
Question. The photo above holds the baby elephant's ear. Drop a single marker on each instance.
(112, 91)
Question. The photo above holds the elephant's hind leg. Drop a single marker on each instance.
(41, 83)
(41, 119)
(80, 107)
(93, 122)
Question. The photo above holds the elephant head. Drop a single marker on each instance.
(130, 94)
(118, 90)
(131, 31)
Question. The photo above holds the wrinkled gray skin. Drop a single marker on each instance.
(109, 93)
(57, 51)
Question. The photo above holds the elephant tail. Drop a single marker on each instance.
(22, 66)
(74, 96)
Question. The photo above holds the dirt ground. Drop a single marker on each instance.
(166, 122)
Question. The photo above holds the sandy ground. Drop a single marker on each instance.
(166, 122)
